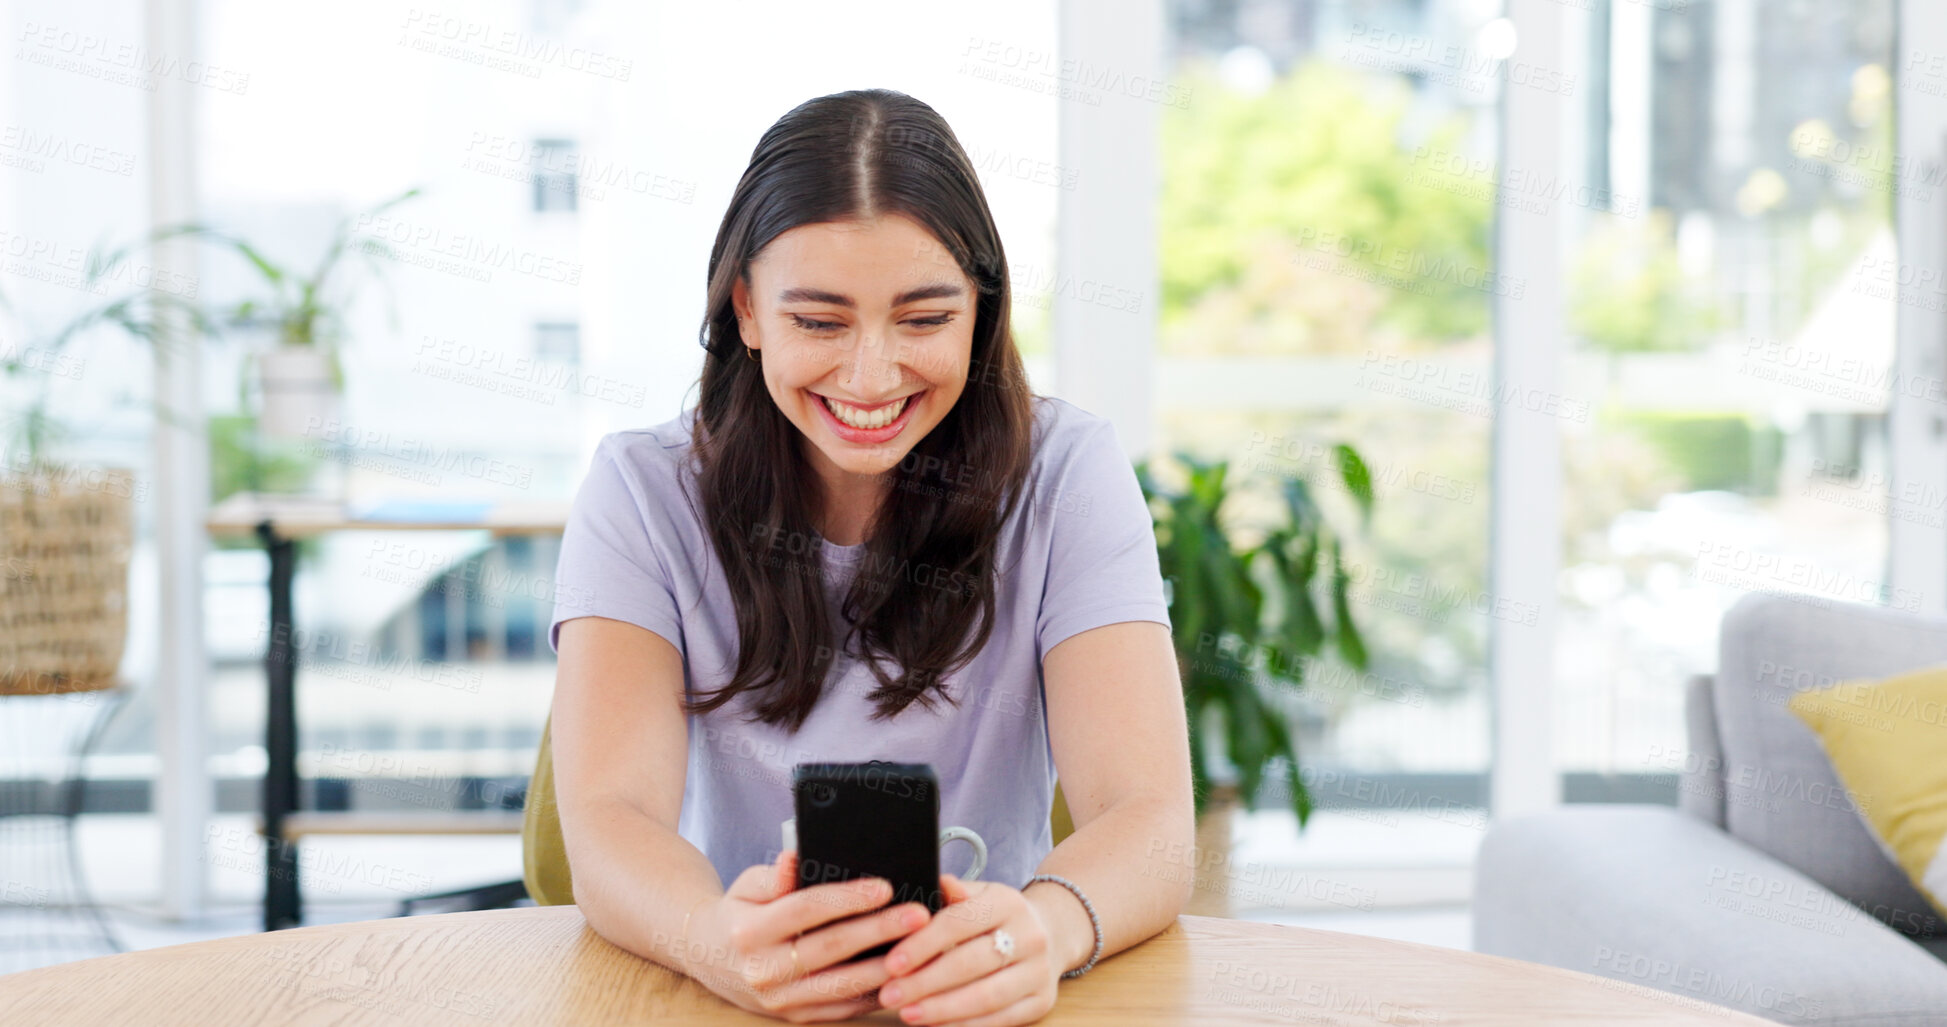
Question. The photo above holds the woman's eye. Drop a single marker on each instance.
(814, 325)
(810, 325)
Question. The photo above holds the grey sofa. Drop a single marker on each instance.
(1763, 890)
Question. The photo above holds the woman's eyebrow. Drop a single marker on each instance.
(938, 290)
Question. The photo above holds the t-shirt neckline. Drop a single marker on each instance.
(842, 554)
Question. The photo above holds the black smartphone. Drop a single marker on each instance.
(872, 819)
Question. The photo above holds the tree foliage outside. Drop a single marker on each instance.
(1629, 293)
(1310, 179)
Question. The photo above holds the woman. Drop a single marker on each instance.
(869, 540)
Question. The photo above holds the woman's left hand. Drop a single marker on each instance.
(970, 984)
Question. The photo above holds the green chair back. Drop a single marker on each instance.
(544, 857)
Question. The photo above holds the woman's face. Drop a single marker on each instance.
(865, 332)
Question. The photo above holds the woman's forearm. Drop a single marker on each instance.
(634, 880)
(1130, 862)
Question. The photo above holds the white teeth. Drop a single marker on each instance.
(853, 416)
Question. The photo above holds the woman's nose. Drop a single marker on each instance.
(872, 363)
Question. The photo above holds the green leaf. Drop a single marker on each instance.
(1357, 478)
(1244, 729)
(1301, 508)
(264, 265)
(1352, 648)
(1298, 632)
(1285, 751)
(1300, 795)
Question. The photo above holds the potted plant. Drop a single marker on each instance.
(1287, 595)
(300, 377)
(66, 530)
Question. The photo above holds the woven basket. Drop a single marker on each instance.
(65, 537)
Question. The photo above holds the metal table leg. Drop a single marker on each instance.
(283, 904)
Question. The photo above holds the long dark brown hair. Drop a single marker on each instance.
(923, 595)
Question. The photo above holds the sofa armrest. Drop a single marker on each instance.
(1700, 782)
(1647, 895)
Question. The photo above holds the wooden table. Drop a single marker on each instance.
(278, 522)
(543, 965)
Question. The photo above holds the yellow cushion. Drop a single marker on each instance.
(1888, 742)
(1061, 823)
(544, 856)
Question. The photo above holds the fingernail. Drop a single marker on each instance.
(889, 995)
(897, 964)
(910, 1013)
(913, 918)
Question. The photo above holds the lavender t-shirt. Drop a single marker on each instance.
(1081, 555)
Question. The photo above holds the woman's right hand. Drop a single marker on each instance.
(740, 943)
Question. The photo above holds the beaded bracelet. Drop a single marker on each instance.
(1093, 920)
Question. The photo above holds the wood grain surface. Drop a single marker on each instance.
(543, 965)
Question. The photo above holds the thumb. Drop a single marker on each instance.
(787, 873)
(762, 882)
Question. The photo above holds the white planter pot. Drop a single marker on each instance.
(298, 393)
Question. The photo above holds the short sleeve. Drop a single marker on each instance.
(610, 566)
(1102, 564)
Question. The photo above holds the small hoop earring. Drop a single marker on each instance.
(741, 323)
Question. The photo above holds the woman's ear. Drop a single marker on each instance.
(740, 301)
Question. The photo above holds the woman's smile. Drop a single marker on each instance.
(867, 425)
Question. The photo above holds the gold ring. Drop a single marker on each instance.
(796, 971)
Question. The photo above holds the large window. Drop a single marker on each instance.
(1728, 196)
(1729, 283)
(1325, 279)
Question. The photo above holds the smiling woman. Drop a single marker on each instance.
(869, 540)
(863, 379)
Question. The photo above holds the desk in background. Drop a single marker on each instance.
(279, 522)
